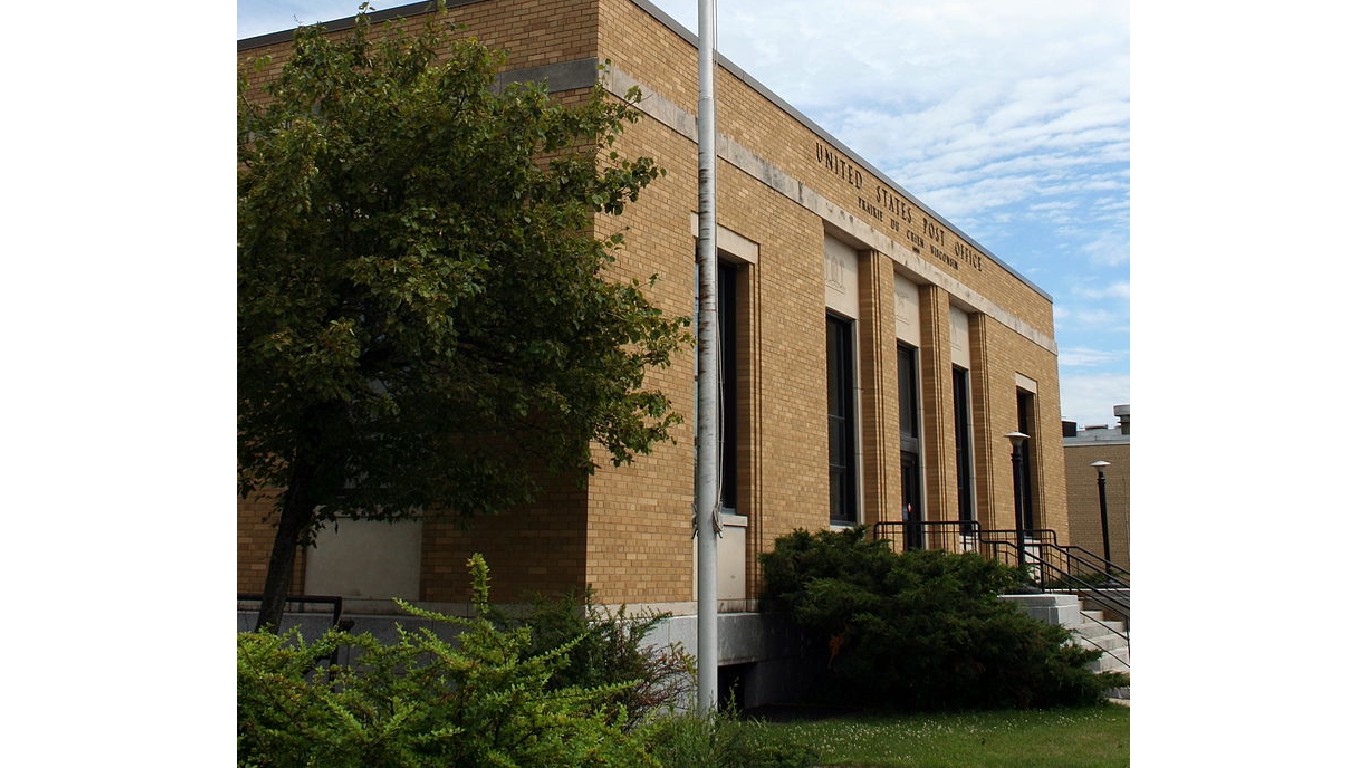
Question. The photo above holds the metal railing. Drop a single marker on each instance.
(302, 600)
(954, 536)
(333, 600)
(950, 535)
(1050, 566)
(1071, 570)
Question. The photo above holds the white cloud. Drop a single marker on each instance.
(1093, 320)
(1091, 398)
(1109, 247)
(1084, 357)
(1115, 290)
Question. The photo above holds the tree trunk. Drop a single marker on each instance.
(296, 516)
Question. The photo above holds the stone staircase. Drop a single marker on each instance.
(1094, 632)
(1090, 629)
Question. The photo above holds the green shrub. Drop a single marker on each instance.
(722, 740)
(607, 648)
(923, 630)
(477, 699)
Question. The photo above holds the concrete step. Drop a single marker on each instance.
(1103, 636)
(1098, 617)
(1115, 660)
(1109, 643)
(1099, 609)
(1092, 629)
(1089, 628)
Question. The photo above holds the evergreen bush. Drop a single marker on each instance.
(923, 630)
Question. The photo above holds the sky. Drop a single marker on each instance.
(1010, 119)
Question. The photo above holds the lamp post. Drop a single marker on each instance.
(1104, 511)
(1016, 444)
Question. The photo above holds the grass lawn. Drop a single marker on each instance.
(1065, 738)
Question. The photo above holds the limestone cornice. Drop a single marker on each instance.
(684, 123)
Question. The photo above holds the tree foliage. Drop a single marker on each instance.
(549, 692)
(479, 697)
(611, 649)
(424, 312)
(923, 630)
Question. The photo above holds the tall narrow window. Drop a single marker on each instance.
(908, 396)
(908, 401)
(962, 429)
(730, 433)
(839, 396)
(1024, 409)
(726, 279)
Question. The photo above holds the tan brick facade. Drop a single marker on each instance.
(256, 519)
(1083, 497)
(785, 187)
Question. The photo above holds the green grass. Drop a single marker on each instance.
(1066, 738)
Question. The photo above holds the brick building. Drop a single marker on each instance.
(876, 355)
(1082, 447)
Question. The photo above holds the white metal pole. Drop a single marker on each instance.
(707, 485)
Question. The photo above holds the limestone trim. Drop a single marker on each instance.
(751, 163)
(584, 73)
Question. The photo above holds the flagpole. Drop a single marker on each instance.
(707, 484)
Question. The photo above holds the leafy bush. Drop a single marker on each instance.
(923, 630)
(722, 740)
(607, 648)
(478, 699)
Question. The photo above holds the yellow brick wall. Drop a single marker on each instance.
(1083, 498)
(938, 441)
(880, 428)
(628, 535)
(789, 486)
(1006, 357)
(533, 549)
(533, 32)
(256, 518)
(657, 56)
(640, 544)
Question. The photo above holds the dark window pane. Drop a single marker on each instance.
(839, 390)
(963, 435)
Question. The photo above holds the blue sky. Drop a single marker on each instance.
(1011, 119)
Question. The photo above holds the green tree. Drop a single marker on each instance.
(424, 313)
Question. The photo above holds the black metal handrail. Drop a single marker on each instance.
(1043, 561)
(333, 600)
(1079, 558)
(1053, 578)
(1031, 536)
(1053, 567)
(951, 535)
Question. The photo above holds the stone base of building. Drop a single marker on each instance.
(759, 654)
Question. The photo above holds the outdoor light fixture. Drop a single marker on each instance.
(1017, 440)
(1104, 511)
